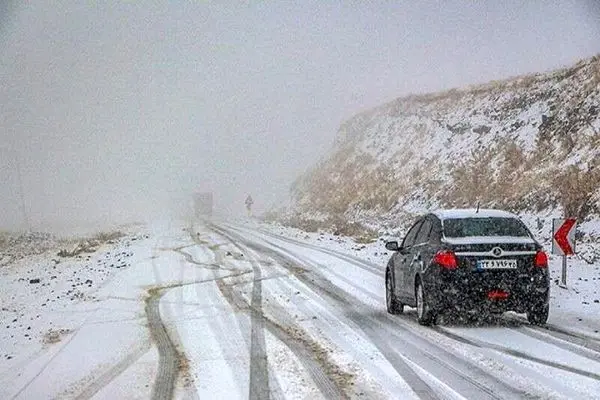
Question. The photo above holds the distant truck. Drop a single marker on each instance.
(203, 204)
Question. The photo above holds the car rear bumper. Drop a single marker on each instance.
(455, 294)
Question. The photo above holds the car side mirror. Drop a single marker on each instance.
(392, 246)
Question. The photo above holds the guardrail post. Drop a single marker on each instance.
(563, 280)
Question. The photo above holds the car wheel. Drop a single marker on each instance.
(392, 304)
(538, 315)
(425, 315)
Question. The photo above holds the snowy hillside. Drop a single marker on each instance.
(529, 144)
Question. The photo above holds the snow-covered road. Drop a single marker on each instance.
(224, 310)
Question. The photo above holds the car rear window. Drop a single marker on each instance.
(463, 227)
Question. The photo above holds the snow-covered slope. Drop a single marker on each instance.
(527, 144)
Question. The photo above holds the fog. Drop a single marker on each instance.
(117, 111)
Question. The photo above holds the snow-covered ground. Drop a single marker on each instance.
(240, 309)
(62, 324)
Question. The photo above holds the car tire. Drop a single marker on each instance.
(425, 315)
(538, 315)
(392, 304)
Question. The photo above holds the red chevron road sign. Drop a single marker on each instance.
(563, 236)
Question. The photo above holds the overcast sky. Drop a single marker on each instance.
(114, 109)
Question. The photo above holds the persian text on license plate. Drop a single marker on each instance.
(497, 264)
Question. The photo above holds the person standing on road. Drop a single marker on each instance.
(249, 203)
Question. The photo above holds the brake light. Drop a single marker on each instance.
(446, 259)
(541, 259)
(497, 295)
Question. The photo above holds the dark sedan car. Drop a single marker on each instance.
(468, 260)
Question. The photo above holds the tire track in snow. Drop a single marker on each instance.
(355, 261)
(47, 364)
(577, 338)
(363, 264)
(412, 379)
(591, 353)
(306, 350)
(517, 353)
(299, 346)
(230, 347)
(169, 357)
(590, 338)
(259, 368)
(190, 259)
(164, 384)
(333, 326)
(112, 373)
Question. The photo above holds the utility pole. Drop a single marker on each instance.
(20, 178)
(17, 162)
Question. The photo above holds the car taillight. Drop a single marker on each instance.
(497, 295)
(541, 259)
(446, 259)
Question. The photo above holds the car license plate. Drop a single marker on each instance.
(496, 264)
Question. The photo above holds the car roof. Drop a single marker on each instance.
(459, 213)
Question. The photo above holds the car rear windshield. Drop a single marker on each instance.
(463, 227)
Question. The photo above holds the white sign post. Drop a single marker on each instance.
(563, 242)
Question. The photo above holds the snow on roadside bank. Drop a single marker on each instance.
(48, 300)
(574, 308)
